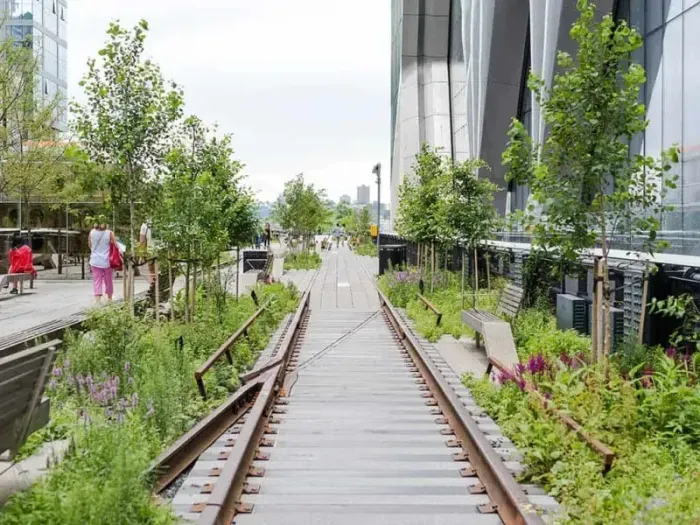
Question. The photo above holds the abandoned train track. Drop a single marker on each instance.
(370, 432)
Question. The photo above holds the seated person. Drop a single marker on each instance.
(21, 259)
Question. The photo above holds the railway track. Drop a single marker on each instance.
(350, 421)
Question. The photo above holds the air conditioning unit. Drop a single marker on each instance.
(617, 322)
(571, 312)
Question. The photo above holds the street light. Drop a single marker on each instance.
(377, 170)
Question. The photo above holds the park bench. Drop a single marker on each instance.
(23, 409)
(497, 335)
(12, 278)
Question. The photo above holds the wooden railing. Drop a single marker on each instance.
(430, 306)
(225, 349)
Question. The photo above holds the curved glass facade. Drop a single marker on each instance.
(42, 24)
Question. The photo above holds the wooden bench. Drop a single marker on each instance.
(497, 335)
(430, 306)
(13, 278)
(23, 409)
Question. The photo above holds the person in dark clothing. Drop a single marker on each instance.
(267, 234)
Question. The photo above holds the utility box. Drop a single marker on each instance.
(571, 313)
(617, 323)
(391, 255)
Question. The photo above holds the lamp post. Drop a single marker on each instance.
(377, 170)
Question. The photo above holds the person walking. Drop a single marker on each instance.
(100, 240)
(268, 232)
(21, 259)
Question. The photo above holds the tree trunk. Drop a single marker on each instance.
(238, 269)
(187, 293)
(432, 267)
(157, 291)
(607, 325)
(131, 235)
(172, 288)
(642, 315)
(476, 277)
(194, 291)
(462, 263)
(488, 272)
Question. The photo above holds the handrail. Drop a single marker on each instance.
(430, 306)
(598, 446)
(225, 349)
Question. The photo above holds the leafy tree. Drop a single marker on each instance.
(344, 215)
(126, 121)
(585, 185)
(362, 223)
(423, 206)
(201, 198)
(301, 209)
(31, 157)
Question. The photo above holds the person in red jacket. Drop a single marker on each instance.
(21, 259)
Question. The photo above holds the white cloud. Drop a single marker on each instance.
(303, 85)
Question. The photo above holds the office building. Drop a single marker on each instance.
(363, 195)
(459, 71)
(43, 25)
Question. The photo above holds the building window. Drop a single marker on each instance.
(53, 8)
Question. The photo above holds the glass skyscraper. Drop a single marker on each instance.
(42, 25)
(459, 73)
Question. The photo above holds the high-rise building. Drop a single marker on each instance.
(363, 195)
(459, 74)
(43, 25)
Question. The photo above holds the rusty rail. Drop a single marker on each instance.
(507, 498)
(595, 444)
(430, 306)
(225, 349)
(224, 501)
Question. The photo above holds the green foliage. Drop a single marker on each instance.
(422, 213)
(535, 332)
(301, 209)
(583, 177)
(366, 249)
(127, 117)
(648, 416)
(401, 287)
(122, 392)
(684, 309)
(305, 260)
(202, 201)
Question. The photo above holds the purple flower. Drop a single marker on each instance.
(108, 413)
(521, 384)
(127, 366)
(80, 379)
(52, 384)
(671, 352)
(151, 411)
(56, 372)
(135, 399)
(537, 364)
(505, 376)
(519, 369)
(130, 380)
(120, 418)
(66, 363)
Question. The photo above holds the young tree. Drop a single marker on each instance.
(470, 210)
(585, 185)
(423, 212)
(200, 198)
(301, 209)
(126, 121)
(344, 215)
(362, 223)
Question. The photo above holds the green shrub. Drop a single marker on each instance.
(366, 249)
(535, 332)
(124, 391)
(306, 260)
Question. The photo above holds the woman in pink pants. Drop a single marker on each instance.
(100, 240)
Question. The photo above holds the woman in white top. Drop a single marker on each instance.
(100, 240)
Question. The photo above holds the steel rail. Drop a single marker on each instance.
(507, 498)
(185, 451)
(224, 502)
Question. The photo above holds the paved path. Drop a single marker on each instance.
(358, 443)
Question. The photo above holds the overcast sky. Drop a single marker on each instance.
(302, 84)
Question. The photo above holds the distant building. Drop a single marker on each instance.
(346, 199)
(363, 195)
(43, 27)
